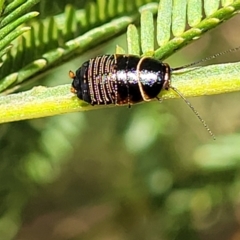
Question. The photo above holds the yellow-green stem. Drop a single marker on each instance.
(43, 101)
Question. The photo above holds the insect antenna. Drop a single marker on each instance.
(193, 64)
(194, 110)
(207, 58)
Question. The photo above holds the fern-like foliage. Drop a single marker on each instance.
(13, 15)
(56, 39)
(178, 24)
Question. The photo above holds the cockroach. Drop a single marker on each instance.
(127, 79)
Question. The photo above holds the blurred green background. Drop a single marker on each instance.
(149, 172)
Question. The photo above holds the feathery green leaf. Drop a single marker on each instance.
(133, 40)
(16, 13)
(147, 32)
(58, 38)
(215, 16)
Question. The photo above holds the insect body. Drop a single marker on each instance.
(120, 79)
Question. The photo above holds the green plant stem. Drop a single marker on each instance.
(43, 101)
